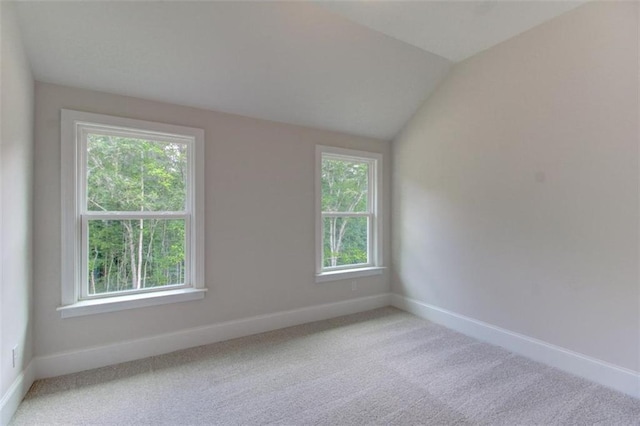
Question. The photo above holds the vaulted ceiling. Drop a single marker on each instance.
(358, 67)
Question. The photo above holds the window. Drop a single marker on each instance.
(132, 213)
(348, 225)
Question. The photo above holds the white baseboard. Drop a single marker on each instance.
(101, 356)
(18, 389)
(604, 373)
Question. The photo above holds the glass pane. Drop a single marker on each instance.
(135, 254)
(125, 174)
(344, 185)
(345, 241)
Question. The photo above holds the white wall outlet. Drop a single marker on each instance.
(14, 356)
(354, 285)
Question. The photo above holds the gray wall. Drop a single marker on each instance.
(16, 167)
(259, 221)
(516, 187)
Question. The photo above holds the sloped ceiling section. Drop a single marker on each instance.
(454, 30)
(360, 67)
(293, 62)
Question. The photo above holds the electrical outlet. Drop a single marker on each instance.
(14, 356)
(354, 285)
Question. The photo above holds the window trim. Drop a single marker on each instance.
(374, 247)
(72, 125)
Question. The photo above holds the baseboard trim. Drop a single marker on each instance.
(595, 370)
(101, 356)
(18, 389)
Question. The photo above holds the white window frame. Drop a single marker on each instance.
(374, 247)
(75, 125)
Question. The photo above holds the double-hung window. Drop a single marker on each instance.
(348, 205)
(132, 213)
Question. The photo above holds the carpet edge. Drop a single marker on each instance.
(595, 370)
(129, 350)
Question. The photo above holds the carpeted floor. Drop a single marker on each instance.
(379, 367)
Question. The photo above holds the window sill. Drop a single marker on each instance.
(131, 301)
(349, 273)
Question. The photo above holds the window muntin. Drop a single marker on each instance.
(348, 219)
(132, 210)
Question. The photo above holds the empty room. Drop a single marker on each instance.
(320, 212)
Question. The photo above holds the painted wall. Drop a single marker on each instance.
(259, 221)
(16, 172)
(516, 187)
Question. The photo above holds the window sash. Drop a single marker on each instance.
(370, 237)
(84, 129)
(83, 290)
(371, 182)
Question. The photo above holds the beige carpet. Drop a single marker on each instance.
(378, 367)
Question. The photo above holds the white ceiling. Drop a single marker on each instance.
(294, 62)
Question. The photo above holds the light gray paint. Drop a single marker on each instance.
(259, 207)
(516, 187)
(454, 30)
(16, 172)
(292, 62)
